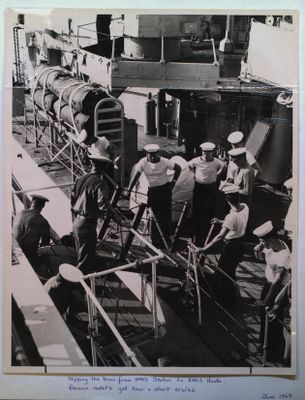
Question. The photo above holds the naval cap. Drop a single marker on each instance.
(263, 230)
(70, 273)
(151, 148)
(235, 137)
(39, 197)
(289, 183)
(229, 189)
(207, 146)
(237, 152)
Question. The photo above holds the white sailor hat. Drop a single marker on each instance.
(229, 189)
(235, 137)
(70, 273)
(207, 146)
(263, 230)
(39, 197)
(95, 157)
(98, 148)
(289, 183)
(151, 148)
(237, 152)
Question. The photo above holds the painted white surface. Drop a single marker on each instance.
(30, 176)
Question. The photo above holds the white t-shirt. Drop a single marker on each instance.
(275, 260)
(236, 222)
(206, 171)
(156, 173)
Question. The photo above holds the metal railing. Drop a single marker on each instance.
(93, 303)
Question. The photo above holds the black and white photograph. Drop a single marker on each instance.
(151, 191)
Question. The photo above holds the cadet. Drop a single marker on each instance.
(31, 229)
(159, 195)
(206, 170)
(241, 175)
(277, 256)
(232, 235)
(236, 139)
(63, 288)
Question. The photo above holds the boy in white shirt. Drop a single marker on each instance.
(159, 195)
(232, 235)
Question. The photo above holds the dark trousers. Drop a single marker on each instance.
(275, 339)
(31, 253)
(84, 231)
(159, 199)
(230, 257)
(204, 199)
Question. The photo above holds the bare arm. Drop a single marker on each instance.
(218, 238)
(177, 173)
(133, 181)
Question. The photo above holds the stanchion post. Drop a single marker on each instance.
(154, 297)
(265, 346)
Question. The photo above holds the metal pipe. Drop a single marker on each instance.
(154, 219)
(94, 314)
(130, 354)
(113, 49)
(122, 267)
(147, 243)
(43, 188)
(93, 349)
(154, 297)
(162, 50)
(265, 346)
(198, 294)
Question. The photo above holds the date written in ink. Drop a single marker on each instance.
(281, 396)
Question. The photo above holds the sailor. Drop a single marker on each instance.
(89, 199)
(206, 169)
(281, 310)
(241, 175)
(63, 287)
(232, 235)
(31, 229)
(277, 256)
(159, 195)
(236, 140)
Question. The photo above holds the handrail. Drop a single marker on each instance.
(148, 260)
(114, 330)
(153, 260)
(43, 188)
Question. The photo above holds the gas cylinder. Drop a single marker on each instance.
(150, 116)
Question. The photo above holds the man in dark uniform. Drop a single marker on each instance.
(159, 195)
(31, 229)
(88, 200)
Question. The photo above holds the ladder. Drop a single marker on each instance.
(109, 122)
